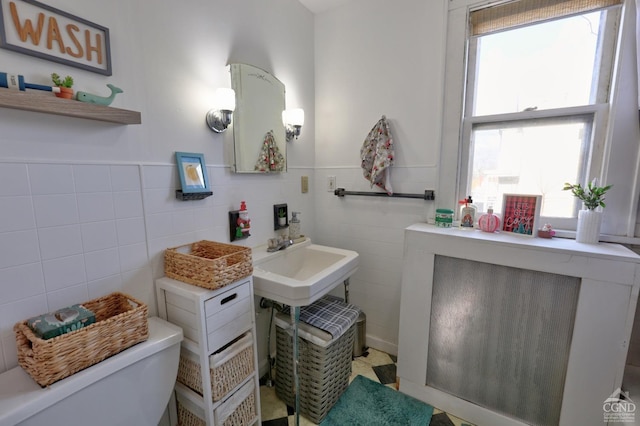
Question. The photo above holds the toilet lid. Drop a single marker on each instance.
(21, 397)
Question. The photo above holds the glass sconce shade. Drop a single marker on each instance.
(293, 120)
(293, 117)
(219, 118)
(225, 99)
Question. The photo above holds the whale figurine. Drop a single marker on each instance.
(99, 100)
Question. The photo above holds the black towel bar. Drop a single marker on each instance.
(429, 194)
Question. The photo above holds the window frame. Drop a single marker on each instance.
(457, 129)
(592, 162)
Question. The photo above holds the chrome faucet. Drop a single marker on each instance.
(276, 244)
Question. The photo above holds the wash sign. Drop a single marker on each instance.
(36, 29)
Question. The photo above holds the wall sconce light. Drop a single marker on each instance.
(293, 120)
(219, 118)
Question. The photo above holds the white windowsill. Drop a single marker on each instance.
(619, 239)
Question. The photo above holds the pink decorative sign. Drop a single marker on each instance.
(520, 214)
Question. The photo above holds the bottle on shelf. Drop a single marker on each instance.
(294, 226)
(467, 213)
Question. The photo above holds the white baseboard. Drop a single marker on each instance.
(382, 345)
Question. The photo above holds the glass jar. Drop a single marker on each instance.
(444, 218)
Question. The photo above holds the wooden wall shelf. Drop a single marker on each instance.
(48, 103)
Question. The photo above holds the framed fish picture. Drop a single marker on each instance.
(193, 176)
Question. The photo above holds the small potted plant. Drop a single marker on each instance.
(64, 84)
(589, 220)
(282, 217)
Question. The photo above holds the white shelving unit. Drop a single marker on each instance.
(211, 320)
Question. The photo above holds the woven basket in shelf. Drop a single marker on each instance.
(187, 417)
(121, 322)
(243, 413)
(228, 369)
(208, 264)
(240, 409)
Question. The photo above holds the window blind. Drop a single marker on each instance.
(522, 12)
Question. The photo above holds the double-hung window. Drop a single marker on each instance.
(536, 101)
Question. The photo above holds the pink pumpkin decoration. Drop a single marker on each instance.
(489, 222)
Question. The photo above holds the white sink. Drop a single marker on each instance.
(302, 273)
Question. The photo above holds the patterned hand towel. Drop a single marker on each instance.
(377, 155)
(270, 159)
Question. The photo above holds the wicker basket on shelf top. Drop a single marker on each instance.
(208, 264)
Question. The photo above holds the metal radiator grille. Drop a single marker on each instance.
(500, 337)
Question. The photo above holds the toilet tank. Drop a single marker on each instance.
(132, 387)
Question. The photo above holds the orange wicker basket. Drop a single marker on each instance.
(121, 322)
(208, 264)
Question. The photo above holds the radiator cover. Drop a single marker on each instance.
(500, 337)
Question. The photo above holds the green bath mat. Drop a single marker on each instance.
(368, 403)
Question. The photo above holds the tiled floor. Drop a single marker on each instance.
(631, 384)
(377, 366)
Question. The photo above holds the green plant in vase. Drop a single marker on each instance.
(591, 195)
(589, 220)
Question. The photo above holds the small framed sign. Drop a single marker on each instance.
(521, 213)
(193, 176)
(37, 29)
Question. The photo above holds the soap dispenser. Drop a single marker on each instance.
(294, 226)
(467, 213)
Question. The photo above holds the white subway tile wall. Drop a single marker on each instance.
(374, 227)
(67, 234)
(59, 241)
(16, 213)
(63, 272)
(74, 232)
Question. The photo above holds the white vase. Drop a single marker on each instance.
(588, 226)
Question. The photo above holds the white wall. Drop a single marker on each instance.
(87, 208)
(374, 58)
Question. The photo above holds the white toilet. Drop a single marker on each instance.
(129, 388)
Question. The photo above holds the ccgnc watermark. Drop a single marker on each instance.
(619, 408)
